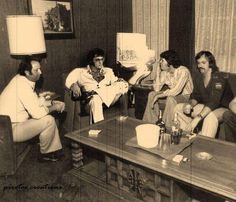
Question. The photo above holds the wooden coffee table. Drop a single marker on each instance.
(146, 176)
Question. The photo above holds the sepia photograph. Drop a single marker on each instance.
(118, 100)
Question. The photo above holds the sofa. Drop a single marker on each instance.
(231, 77)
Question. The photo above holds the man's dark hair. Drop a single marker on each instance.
(96, 52)
(172, 58)
(25, 65)
(210, 57)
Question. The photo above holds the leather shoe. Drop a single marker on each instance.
(48, 157)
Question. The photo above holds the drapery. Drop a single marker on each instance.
(151, 17)
(215, 30)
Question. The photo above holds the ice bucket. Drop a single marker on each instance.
(147, 135)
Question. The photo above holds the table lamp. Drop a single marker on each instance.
(134, 55)
(25, 34)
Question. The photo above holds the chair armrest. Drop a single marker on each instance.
(72, 107)
(7, 150)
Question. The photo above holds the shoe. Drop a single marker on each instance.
(48, 157)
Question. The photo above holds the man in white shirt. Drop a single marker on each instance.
(98, 85)
(29, 116)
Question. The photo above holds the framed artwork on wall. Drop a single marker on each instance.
(57, 17)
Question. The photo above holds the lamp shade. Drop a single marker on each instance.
(25, 33)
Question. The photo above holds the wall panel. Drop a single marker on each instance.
(96, 23)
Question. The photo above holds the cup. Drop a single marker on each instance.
(176, 136)
(165, 142)
(147, 135)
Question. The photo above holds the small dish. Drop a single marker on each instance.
(204, 156)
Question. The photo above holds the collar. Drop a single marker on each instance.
(89, 70)
(31, 83)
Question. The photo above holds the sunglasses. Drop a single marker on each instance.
(99, 59)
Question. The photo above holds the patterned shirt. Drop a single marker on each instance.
(88, 81)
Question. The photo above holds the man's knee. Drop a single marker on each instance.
(151, 94)
(49, 120)
(178, 108)
(211, 119)
(228, 116)
(95, 100)
(171, 100)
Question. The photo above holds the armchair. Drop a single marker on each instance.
(77, 116)
(11, 154)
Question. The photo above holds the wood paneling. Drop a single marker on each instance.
(96, 23)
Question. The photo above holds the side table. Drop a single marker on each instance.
(141, 96)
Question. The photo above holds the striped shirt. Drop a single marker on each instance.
(179, 83)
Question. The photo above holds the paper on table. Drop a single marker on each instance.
(94, 133)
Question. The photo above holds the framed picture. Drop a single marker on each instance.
(57, 17)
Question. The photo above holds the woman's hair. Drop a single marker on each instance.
(172, 58)
(96, 52)
(25, 64)
(210, 57)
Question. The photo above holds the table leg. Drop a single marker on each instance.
(77, 155)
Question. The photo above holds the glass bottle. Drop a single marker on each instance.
(161, 123)
(175, 130)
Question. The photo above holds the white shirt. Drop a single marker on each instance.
(85, 80)
(19, 100)
(179, 82)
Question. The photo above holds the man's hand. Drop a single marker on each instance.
(187, 108)
(76, 90)
(191, 126)
(155, 98)
(58, 105)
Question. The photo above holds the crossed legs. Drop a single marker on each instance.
(96, 108)
(210, 122)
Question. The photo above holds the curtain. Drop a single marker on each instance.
(215, 30)
(151, 17)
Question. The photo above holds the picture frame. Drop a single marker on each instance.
(57, 17)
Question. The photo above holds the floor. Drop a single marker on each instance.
(36, 181)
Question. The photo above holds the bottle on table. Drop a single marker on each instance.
(175, 130)
(161, 124)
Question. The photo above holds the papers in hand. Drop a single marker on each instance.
(94, 133)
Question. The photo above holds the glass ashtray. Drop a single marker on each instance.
(204, 156)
